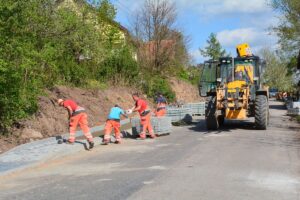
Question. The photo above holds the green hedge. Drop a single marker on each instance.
(153, 84)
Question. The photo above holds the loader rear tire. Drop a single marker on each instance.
(261, 112)
(211, 118)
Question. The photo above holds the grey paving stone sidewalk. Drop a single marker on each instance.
(36, 152)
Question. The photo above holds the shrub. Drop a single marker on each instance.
(119, 67)
(157, 84)
(190, 74)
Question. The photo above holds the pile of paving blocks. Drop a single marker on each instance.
(293, 108)
(161, 125)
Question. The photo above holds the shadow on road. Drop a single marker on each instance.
(277, 107)
(61, 140)
(200, 126)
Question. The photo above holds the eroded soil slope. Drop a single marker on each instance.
(185, 92)
(51, 120)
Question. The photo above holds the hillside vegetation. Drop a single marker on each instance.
(44, 43)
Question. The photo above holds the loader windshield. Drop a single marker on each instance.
(244, 71)
(239, 69)
(208, 81)
(226, 71)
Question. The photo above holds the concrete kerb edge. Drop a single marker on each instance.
(52, 141)
(78, 134)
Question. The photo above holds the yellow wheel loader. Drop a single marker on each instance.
(234, 89)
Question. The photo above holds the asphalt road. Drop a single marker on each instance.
(237, 162)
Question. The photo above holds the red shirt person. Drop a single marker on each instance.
(77, 115)
(142, 108)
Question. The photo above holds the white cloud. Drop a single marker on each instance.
(127, 5)
(220, 7)
(255, 37)
(250, 21)
(216, 7)
(196, 56)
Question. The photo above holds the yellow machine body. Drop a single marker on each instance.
(236, 114)
(244, 50)
(235, 89)
(237, 107)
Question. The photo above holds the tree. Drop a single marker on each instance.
(157, 38)
(276, 73)
(46, 42)
(213, 50)
(288, 29)
(107, 10)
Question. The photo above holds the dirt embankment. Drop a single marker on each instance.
(52, 120)
(185, 92)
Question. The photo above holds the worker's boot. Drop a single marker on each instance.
(106, 141)
(152, 136)
(118, 139)
(91, 144)
(142, 136)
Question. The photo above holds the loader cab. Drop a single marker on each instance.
(241, 69)
(209, 76)
(227, 70)
(231, 73)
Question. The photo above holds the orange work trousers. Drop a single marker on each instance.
(80, 119)
(146, 123)
(160, 112)
(109, 126)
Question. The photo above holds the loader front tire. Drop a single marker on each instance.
(261, 112)
(211, 118)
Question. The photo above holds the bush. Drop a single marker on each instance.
(119, 67)
(43, 44)
(157, 84)
(298, 119)
(190, 74)
(17, 95)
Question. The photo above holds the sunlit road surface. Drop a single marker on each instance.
(237, 162)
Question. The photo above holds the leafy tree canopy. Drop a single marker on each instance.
(213, 50)
(289, 28)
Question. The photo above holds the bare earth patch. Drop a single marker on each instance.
(51, 120)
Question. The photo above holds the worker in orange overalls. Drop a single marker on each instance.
(113, 122)
(284, 96)
(77, 115)
(142, 108)
(161, 104)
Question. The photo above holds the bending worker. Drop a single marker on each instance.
(113, 122)
(77, 115)
(141, 106)
(161, 104)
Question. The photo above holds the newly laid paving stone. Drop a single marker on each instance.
(36, 152)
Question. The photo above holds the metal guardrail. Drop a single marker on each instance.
(293, 111)
(196, 108)
(161, 125)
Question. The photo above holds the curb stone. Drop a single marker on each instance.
(37, 152)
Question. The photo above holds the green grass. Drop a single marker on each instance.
(297, 119)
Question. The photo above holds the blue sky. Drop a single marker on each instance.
(234, 22)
